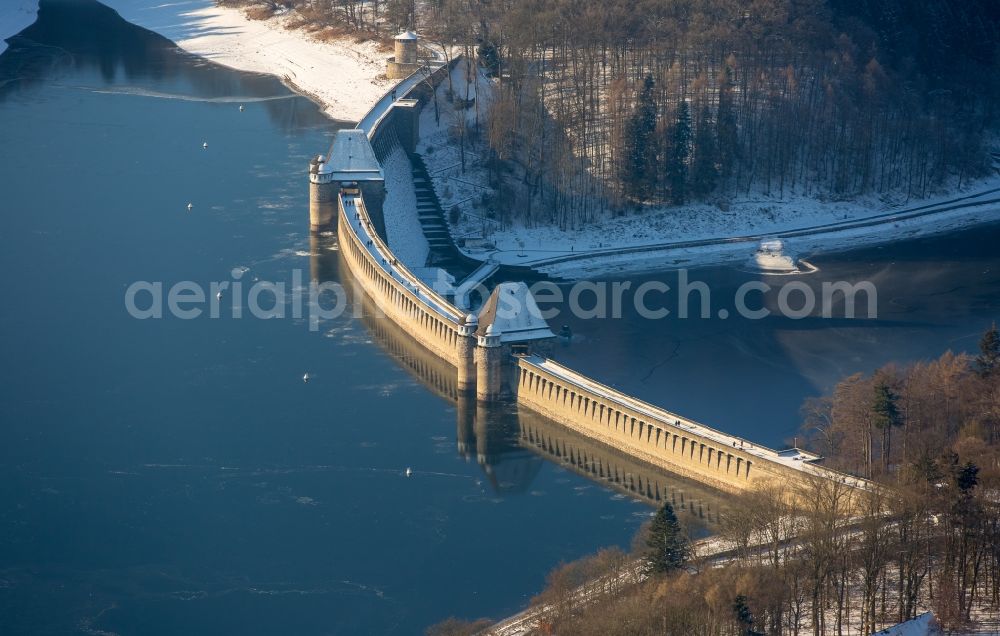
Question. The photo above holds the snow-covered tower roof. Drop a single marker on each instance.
(512, 311)
(352, 158)
(406, 36)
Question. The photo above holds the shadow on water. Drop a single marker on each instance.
(84, 38)
(510, 443)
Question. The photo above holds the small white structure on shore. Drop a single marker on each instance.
(404, 62)
(771, 257)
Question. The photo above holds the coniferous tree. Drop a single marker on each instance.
(725, 122)
(744, 617)
(489, 57)
(927, 469)
(705, 172)
(885, 415)
(988, 360)
(401, 13)
(668, 547)
(966, 477)
(680, 150)
(639, 168)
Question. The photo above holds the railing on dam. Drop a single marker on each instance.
(658, 436)
(373, 119)
(396, 291)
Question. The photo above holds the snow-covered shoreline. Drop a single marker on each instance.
(345, 77)
(738, 244)
(732, 250)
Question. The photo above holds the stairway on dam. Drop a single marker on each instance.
(444, 252)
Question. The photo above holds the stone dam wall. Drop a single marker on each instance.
(640, 430)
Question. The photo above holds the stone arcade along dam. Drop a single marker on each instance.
(499, 355)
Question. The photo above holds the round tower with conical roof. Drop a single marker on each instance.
(405, 61)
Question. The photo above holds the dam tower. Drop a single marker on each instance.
(466, 354)
(322, 195)
(404, 62)
(351, 163)
(488, 365)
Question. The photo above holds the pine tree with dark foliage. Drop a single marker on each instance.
(668, 547)
(885, 415)
(489, 57)
(704, 171)
(680, 150)
(966, 477)
(744, 617)
(725, 123)
(639, 168)
(988, 360)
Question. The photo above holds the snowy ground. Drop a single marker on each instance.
(442, 153)
(722, 244)
(402, 227)
(342, 75)
(703, 223)
(15, 16)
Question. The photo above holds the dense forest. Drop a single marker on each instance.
(605, 105)
(665, 101)
(928, 537)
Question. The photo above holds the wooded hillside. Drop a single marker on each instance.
(608, 104)
(666, 101)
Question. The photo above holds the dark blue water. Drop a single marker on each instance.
(178, 476)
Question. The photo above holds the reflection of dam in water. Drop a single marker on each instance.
(508, 442)
(487, 433)
(620, 472)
